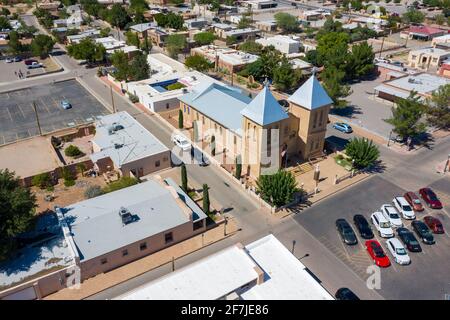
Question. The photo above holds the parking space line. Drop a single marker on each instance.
(21, 111)
(9, 113)
(45, 105)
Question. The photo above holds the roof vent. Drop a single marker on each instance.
(118, 145)
(125, 215)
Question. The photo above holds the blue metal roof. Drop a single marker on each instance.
(311, 95)
(264, 109)
(220, 103)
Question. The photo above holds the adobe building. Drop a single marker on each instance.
(260, 131)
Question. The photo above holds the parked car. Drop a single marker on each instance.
(377, 254)
(9, 60)
(198, 156)
(430, 198)
(391, 214)
(362, 226)
(35, 65)
(409, 240)
(379, 60)
(345, 294)
(29, 61)
(181, 142)
(382, 225)
(17, 59)
(346, 232)
(398, 251)
(343, 127)
(404, 208)
(414, 201)
(65, 104)
(434, 224)
(423, 232)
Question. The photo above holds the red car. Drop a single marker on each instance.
(376, 252)
(434, 224)
(430, 198)
(413, 201)
(29, 62)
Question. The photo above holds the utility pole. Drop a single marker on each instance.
(37, 118)
(381, 50)
(112, 99)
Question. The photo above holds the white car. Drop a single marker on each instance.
(404, 208)
(398, 251)
(382, 225)
(9, 60)
(181, 142)
(391, 214)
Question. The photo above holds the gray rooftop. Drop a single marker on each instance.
(131, 143)
(97, 227)
(423, 83)
(311, 95)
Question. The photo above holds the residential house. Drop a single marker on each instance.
(421, 32)
(427, 58)
(284, 44)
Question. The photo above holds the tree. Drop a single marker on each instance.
(72, 151)
(118, 16)
(231, 40)
(42, 180)
(204, 38)
(244, 22)
(132, 39)
(333, 84)
(17, 208)
(180, 119)
(278, 189)
(169, 20)
(198, 63)
(413, 16)
(440, 19)
(92, 192)
(407, 115)
(184, 178)
(14, 44)
(360, 61)
(363, 152)
(238, 172)
(139, 68)
(42, 45)
(311, 57)
(104, 32)
(87, 50)
(138, 6)
(175, 44)
(251, 47)
(438, 108)
(91, 7)
(286, 22)
(4, 23)
(206, 204)
(265, 66)
(5, 12)
(285, 78)
(332, 49)
(120, 62)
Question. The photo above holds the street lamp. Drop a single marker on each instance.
(293, 246)
(306, 255)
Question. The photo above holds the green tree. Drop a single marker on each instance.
(440, 19)
(132, 38)
(180, 119)
(438, 108)
(407, 115)
(87, 50)
(251, 47)
(360, 61)
(333, 84)
(231, 40)
(72, 151)
(204, 38)
(139, 68)
(175, 44)
(118, 16)
(17, 208)
(244, 22)
(285, 78)
(413, 16)
(286, 22)
(312, 57)
(5, 12)
(4, 23)
(42, 180)
(206, 203)
(169, 20)
(42, 45)
(198, 63)
(184, 178)
(332, 49)
(91, 7)
(278, 189)
(138, 6)
(363, 152)
(14, 44)
(238, 172)
(121, 63)
(265, 66)
(104, 32)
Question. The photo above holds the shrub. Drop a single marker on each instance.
(69, 182)
(72, 151)
(133, 98)
(278, 189)
(123, 182)
(41, 180)
(363, 151)
(92, 192)
(175, 86)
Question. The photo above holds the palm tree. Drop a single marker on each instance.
(363, 152)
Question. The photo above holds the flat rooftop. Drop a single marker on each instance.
(127, 144)
(430, 50)
(97, 227)
(45, 250)
(285, 277)
(16, 157)
(423, 83)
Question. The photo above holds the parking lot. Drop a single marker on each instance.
(426, 277)
(18, 119)
(9, 69)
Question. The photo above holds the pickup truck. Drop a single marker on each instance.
(35, 65)
(29, 61)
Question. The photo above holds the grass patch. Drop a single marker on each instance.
(344, 162)
(123, 182)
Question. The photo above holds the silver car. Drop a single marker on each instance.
(398, 251)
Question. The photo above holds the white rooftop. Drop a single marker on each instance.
(430, 50)
(423, 83)
(222, 273)
(128, 144)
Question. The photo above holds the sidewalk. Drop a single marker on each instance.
(131, 270)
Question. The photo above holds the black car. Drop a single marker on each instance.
(362, 226)
(423, 232)
(345, 294)
(198, 157)
(346, 232)
(409, 240)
